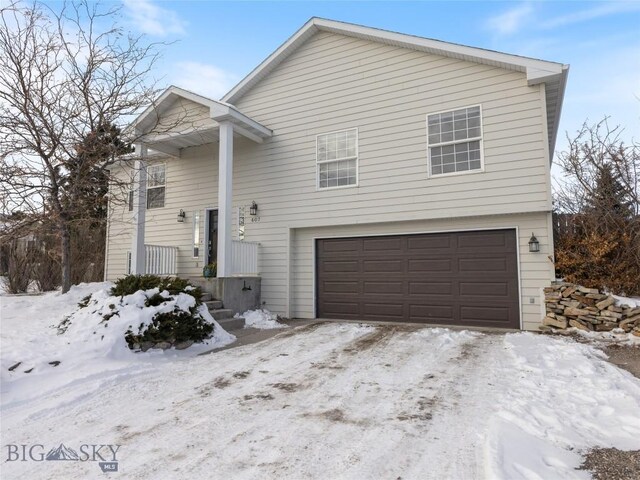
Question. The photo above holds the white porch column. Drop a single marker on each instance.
(139, 212)
(225, 199)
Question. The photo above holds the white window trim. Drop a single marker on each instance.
(164, 203)
(356, 158)
(466, 140)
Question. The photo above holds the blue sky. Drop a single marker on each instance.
(218, 43)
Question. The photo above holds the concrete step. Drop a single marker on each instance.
(213, 304)
(206, 297)
(221, 314)
(230, 324)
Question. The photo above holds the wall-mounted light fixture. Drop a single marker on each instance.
(181, 216)
(534, 244)
(253, 209)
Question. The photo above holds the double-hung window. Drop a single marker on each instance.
(337, 159)
(455, 141)
(155, 185)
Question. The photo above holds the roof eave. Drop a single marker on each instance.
(559, 102)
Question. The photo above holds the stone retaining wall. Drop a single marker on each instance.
(569, 305)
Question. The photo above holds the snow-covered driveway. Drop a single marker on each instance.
(344, 401)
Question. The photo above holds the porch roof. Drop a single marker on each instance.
(164, 129)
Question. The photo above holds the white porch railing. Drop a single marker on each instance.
(161, 260)
(244, 258)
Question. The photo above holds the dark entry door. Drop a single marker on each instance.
(212, 247)
(461, 278)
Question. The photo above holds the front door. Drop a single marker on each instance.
(212, 235)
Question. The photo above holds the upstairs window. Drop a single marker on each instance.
(155, 185)
(337, 159)
(455, 141)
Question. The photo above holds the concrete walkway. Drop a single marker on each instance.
(248, 336)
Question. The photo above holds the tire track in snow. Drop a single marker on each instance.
(389, 379)
(460, 417)
(337, 392)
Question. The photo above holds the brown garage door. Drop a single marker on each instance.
(462, 278)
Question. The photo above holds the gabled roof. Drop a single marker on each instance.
(189, 133)
(553, 74)
(218, 111)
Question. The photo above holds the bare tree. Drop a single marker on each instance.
(594, 150)
(597, 208)
(65, 74)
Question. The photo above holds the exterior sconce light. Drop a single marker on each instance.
(253, 209)
(534, 244)
(181, 216)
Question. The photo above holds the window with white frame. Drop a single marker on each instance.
(455, 141)
(337, 159)
(155, 185)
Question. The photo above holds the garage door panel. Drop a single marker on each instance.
(386, 309)
(486, 313)
(342, 245)
(382, 266)
(340, 266)
(389, 287)
(385, 244)
(490, 264)
(486, 289)
(341, 287)
(430, 288)
(340, 308)
(463, 278)
(426, 244)
(431, 311)
(430, 265)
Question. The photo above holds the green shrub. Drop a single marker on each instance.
(154, 300)
(174, 285)
(173, 327)
(85, 301)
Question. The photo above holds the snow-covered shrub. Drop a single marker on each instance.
(132, 283)
(148, 311)
(178, 327)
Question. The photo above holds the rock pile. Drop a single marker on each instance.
(588, 309)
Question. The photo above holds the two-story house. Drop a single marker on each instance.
(361, 174)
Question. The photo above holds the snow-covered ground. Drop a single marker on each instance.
(261, 319)
(89, 349)
(347, 401)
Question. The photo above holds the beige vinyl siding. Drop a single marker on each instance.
(536, 269)
(119, 226)
(118, 242)
(182, 116)
(333, 83)
(191, 184)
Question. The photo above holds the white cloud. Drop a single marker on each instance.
(600, 10)
(207, 80)
(152, 19)
(512, 20)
